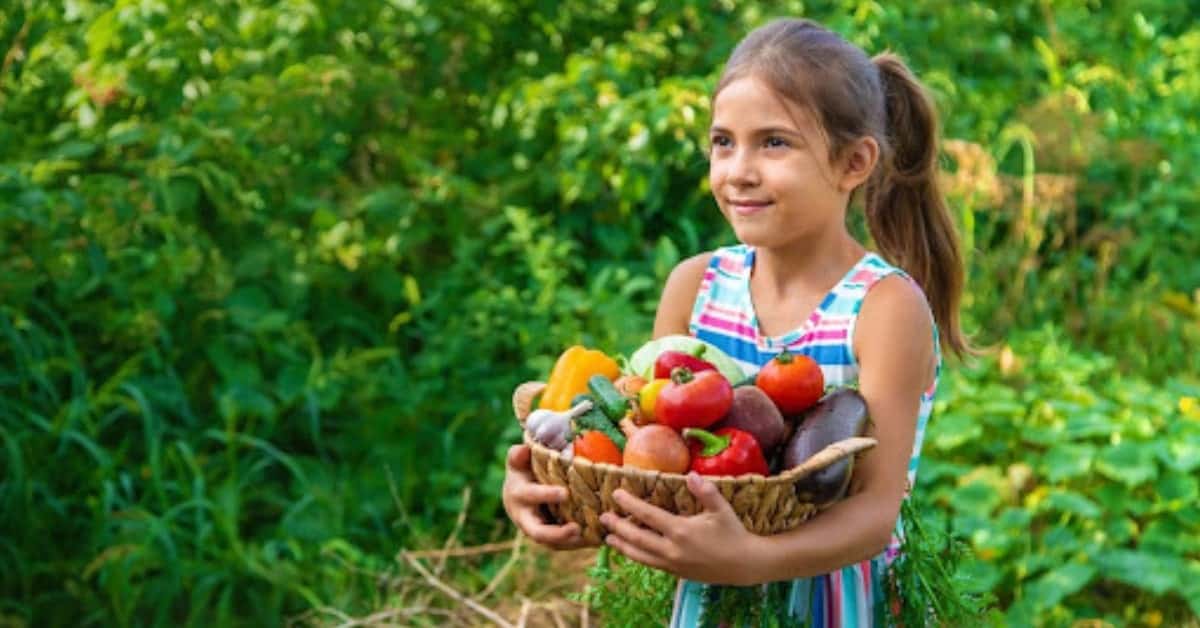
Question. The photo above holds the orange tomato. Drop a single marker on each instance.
(595, 446)
(793, 381)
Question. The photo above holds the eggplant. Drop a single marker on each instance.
(839, 415)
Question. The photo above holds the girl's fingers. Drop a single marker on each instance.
(637, 536)
(561, 537)
(649, 514)
(518, 458)
(532, 493)
(707, 494)
(634, 552)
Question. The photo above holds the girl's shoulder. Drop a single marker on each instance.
(690, 279)
(675, 303)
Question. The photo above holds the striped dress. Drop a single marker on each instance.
(724, 316)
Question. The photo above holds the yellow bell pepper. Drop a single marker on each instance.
(571, 373)
(648, 398)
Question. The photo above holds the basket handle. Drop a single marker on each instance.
(523, 397)
(830, 454)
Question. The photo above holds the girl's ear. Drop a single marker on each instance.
(858, 164)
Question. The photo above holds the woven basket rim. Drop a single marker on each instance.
(827, 456)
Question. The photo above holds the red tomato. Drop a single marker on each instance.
(597, 447)
(793, 381)
(693, 399)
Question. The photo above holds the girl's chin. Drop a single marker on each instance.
(754, 235)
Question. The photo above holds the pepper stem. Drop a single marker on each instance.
(681, 375)
(713, 444)
(698, 352)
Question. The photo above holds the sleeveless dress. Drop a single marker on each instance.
(723, 315)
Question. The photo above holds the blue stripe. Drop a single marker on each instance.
(746, 351)
(818, 605)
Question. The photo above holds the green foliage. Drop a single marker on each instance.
(626, 592)
(270, 271)
(923, 584)
(1068, 480)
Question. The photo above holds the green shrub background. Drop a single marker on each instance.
(270, 270)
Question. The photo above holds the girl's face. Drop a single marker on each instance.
(769, 168)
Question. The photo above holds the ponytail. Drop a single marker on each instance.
(906, 212)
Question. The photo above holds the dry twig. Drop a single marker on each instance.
(503, 572)
(458, 552)
(452, 593)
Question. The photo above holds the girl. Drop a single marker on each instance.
(801, 120)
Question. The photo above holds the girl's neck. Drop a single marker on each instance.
(806, 267)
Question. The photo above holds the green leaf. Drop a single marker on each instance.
(73, 150)
(978, 576)
(979, 498)
(1061, 539)
(1148, 572)
(1072, 502)
(1181, 454)
(1067, 461)
(954, 430)
(1176, 490)
(126, 133)
(1058, 583)
(1088, 425)
(1166, 535)
(1129, 463)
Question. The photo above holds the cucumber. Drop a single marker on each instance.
(611, 401)
(595, 419)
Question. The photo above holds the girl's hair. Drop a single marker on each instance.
(853, 97)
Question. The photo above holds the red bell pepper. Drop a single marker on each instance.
(728, 451)
(668, 360)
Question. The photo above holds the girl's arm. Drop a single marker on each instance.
(679, 293)
(893, 342)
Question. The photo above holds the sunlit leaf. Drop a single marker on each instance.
(1128, 463)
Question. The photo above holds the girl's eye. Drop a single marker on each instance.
(775, 141)
(720, 141)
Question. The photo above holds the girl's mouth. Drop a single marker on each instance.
(746, 207)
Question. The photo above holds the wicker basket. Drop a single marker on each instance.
(766, 505)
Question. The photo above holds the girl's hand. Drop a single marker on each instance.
(711, 546)
(523, 496)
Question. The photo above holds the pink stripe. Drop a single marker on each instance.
(866, 603)
(731, 265)
(724, 325)
(709, 275)
(728, 312)
(835, 606)
(834, 334)
(863, 276)
(835, 322)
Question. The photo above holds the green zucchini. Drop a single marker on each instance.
(611, 401)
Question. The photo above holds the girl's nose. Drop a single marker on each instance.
(743, 171)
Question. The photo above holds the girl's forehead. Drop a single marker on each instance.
(749, 103)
